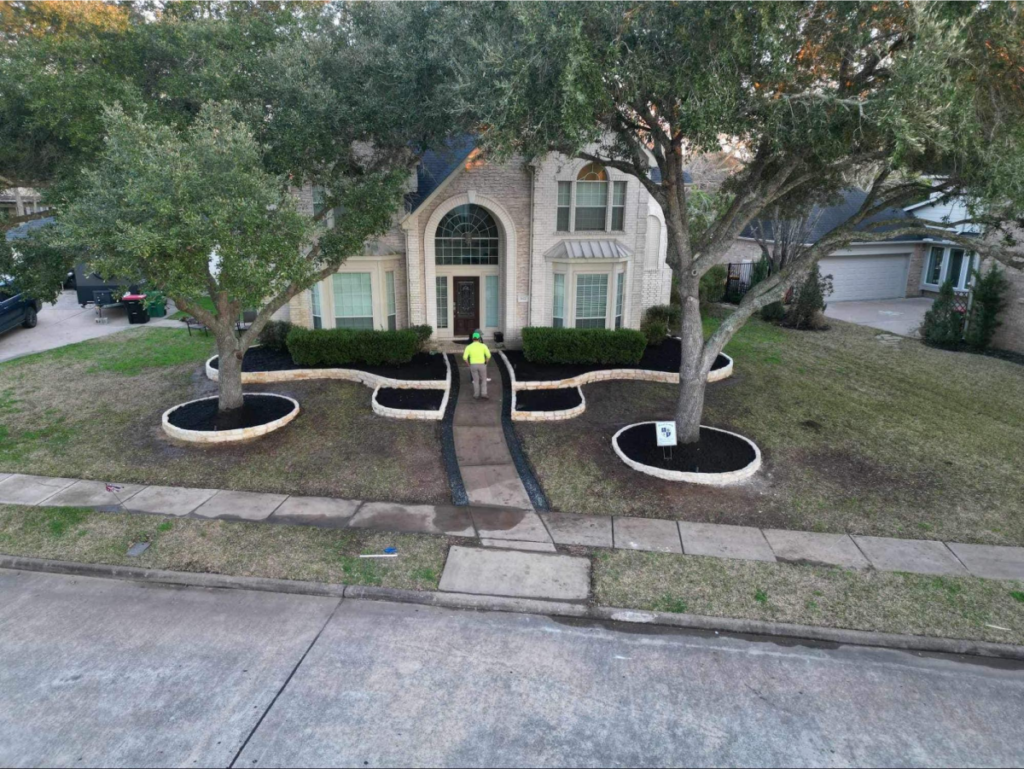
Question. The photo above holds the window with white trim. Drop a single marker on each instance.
(591, 198)
(353, 300)
(314, 300)
(591, 301)
(934, 274)
(389, 287)
(558, 302)
(491, 301)
(441, 289)
(959, 268)
(619, 206)
(564, 205)
(620, 280)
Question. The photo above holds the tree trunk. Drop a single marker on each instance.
(692, 377)
(229, 372)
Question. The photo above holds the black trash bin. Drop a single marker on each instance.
(136, 306)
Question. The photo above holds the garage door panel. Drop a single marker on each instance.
(867, 277)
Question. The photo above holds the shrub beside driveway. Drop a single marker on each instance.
(92, 410)
(859, 436)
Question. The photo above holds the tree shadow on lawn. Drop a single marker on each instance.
(831, 462)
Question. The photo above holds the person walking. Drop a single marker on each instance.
(477, 355)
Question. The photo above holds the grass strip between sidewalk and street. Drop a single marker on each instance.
(223, 547)
(969, 608)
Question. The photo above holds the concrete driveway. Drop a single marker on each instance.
(897, 316)
(61, 323)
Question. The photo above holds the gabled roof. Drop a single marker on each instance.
(23, 229)
(588, 249)
(823, 219)
(437, 165)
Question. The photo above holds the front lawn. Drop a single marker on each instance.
(92, 410)
(858, 436)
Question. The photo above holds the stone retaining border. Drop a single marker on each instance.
(360, 377)
(706, 479)
(635, 374)
(346, 374)
(548, 416)
(226, 436)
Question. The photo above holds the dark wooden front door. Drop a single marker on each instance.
(467, 305)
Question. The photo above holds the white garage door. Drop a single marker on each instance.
(867, 277)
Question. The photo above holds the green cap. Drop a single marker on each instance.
(476, 334)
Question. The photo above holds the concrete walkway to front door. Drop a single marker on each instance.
(484, 459)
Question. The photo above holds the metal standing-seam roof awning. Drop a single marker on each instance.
(589, 249)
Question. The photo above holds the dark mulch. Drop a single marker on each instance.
(715, 452)
(662, 357)
(425, 366)
(414, 400)
(548, 400)
(256, 410)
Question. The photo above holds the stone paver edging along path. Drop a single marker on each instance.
(510, 528)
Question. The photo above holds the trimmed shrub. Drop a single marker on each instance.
(422, 333)
(344, 347)
(988, 299)
(774, 312)
(274, 335)
(623, 347)
(809, 304)
(659, 320)
(943, 324)
(712, 284)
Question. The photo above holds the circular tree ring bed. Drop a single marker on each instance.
(719, 458)
(199, 421)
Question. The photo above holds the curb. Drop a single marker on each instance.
(464, 601)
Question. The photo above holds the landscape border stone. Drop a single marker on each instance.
(548, 416)
(707, 479)
(209, 437)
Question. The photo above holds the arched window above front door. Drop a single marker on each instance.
(467, 234)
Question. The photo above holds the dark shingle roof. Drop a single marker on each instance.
(22, 230)
(656, 176)
(824, 219)
(437, 165)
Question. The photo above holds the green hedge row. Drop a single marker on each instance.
(583, 345)
(343, 346)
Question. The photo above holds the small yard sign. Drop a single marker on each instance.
(666, 433)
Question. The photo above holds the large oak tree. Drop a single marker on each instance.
(918, 99)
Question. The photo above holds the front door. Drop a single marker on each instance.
(467, 305)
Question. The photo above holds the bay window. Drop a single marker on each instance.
(591, 300)
(558, 303)
(389, 287)
(353, 300)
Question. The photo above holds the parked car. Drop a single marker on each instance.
(16, 308)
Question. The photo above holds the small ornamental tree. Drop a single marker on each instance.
(943, 324)
(196, 214)
(905, 100)
(988, 300)
(809, 303)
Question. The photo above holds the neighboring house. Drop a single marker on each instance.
(553, 242)
(906, 265)
(21, 201)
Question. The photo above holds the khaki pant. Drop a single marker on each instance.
(478, 373)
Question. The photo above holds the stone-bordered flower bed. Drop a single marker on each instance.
(426, 371)
(200, 421)
(547, 405)
(660, 363)
(409, 403)
(719, 458)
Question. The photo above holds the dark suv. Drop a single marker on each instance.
(16, 308)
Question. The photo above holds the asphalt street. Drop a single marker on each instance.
(97, 672)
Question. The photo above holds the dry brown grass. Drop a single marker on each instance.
(949, 607)
(93, 411)
(858, 436)
(222, 547)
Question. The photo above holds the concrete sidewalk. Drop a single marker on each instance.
(526, 530)
(897, 316)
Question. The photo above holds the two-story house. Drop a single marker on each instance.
(553, 242)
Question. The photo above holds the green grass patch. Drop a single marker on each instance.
(951, 607)
(221, 547)
(204, 301)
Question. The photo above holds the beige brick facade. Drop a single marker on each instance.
(523, 199)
